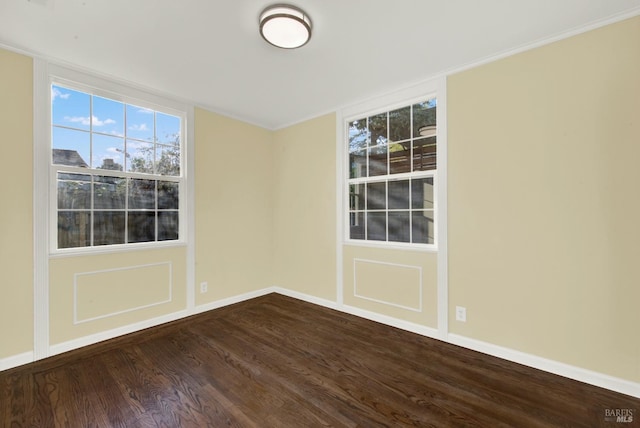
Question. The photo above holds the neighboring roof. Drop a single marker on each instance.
(69, 158)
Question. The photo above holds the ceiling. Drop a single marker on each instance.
(209, 52)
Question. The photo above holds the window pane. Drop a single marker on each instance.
(377, 226)
(422, 193)
(108, 152)
(377, 196)
(168, 195)
(378, 161)
(424, 118)
(399, 226)
(74, 229)
(424, 154)
(168, 160)
(378, 129)
(108, 227)
(70, 147)
(142, 194)
(142, 226)
(108, 116)
(109, 192)
(423, 227)
(358, 163)
(400, 124)
(167, 129)
(139, 157)
(74, 191)
(399, 157)
(168, 226)
(70, 108)
(356, 225)
(399, 195)
(140, 123)
(356, 197)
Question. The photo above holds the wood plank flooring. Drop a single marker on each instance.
(278, 362)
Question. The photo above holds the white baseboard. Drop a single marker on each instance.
(131, 328)
(307, 298)
(583, 375)
(232, 300)
(576, 373)
(373, 316)
(59, 348)
(16, 360)
(391, 321)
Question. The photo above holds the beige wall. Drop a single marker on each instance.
(16, 215)
(305, 207)
(543, 201)
(234, 206)
(543, 215)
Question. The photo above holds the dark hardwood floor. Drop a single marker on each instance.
(279, 362)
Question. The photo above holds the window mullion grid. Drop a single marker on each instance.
(156, 214)
(156, 173)
(127, 186)
(386, 184)
(411, 172)
(411, 208)
(127, 181)
(93, 186)
(386, 205)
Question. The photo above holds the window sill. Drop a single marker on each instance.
(115, 249)
(425, 248)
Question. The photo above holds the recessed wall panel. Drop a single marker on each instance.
(104, 293)
(388, 283)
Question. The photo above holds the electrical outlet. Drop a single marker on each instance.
(204, 287)
(461, 314)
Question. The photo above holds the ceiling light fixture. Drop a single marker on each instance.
(427, 131)
(285, 26)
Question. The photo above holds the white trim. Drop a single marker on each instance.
(402, 98)
(190, 213)
(124, 311)
(41, 161)
(116, 332)
(275, 127)
(396, 305)
(114, 248)
(551, 366)
(94, 85)
(232, 300)
(544, 41)
(307, 298)
(583, 375)
(341, 196)
(441, 214)
(391, 321)
(390, 245)
(141, 325)
(16, 360)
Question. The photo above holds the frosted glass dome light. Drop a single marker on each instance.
(285, 26)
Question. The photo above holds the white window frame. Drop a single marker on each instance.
(93, 85)
(435, 88)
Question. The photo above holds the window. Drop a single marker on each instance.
(117, 170)
(392, 173)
